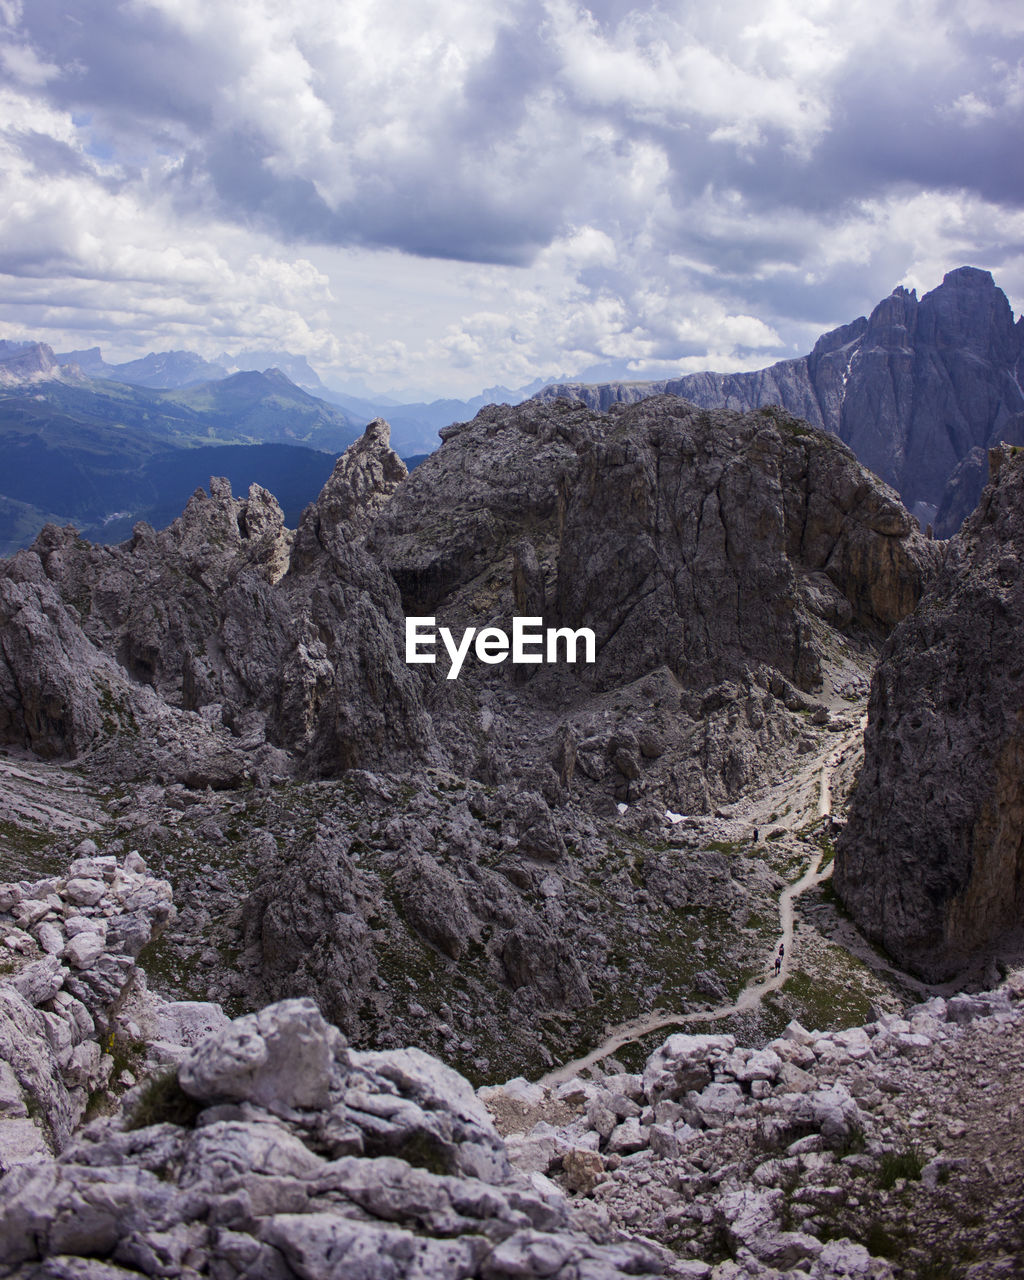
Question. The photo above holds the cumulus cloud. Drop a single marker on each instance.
(449, 193)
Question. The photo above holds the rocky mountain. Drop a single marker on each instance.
(10, 348)
(26, 364)
(163, 370)
(738, 573)
(296, 368)
(931, 863)
(672, 532)
(191, 616)
(266, 408)
(912, 389)
(634, 524)
(527, 870)
(277, 1097)
(170, 370)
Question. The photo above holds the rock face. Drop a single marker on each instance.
(931, 863)
(912, 389)
(74, 940)
(684, 533)
(704, 542)
(276, 645)
(364, 479)
(29, 362)
(279, 1152)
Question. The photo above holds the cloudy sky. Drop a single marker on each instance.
(436, 196)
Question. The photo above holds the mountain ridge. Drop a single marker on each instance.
(87, 449)
(517, 869)
(912, 388)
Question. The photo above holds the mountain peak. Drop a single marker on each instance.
(969, 277)
(33, 362)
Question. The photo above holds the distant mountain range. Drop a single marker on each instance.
(162, 371)
(101, 454)
(414, 426)
(920, 390)
(103, 445)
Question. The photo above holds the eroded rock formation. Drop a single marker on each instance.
(912, 389)
(738, 571)
(271, 639)
(269, 1147)
(276, 1151)
(72, 941)
(931, 863)
(702, 541)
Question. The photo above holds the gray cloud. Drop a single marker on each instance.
(128, 65)
(726, 172)
(145, 81)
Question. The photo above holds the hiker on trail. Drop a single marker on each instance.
(782, 949)
(756, 834)
(778, 965)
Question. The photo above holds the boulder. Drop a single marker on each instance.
(283, 1058)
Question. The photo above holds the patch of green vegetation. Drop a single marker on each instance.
(118, 717)
(936, 1269)
(880, 1241)
(23, 838)
(163, 1101)
(725, 846)
(424, 1151)
(894, 1165)
(26, 854)
(167, 972)
(854, 1144)
(829, 895)
(832, 996)
(784, 422)
(128, 1054)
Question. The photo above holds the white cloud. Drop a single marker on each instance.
(444, 194)
(660, 69)
(21, 62)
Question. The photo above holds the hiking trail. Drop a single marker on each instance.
(811, 788)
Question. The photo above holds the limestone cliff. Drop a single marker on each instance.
(932, 860)
(912, 388)
(705, 541)
(227, 628)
